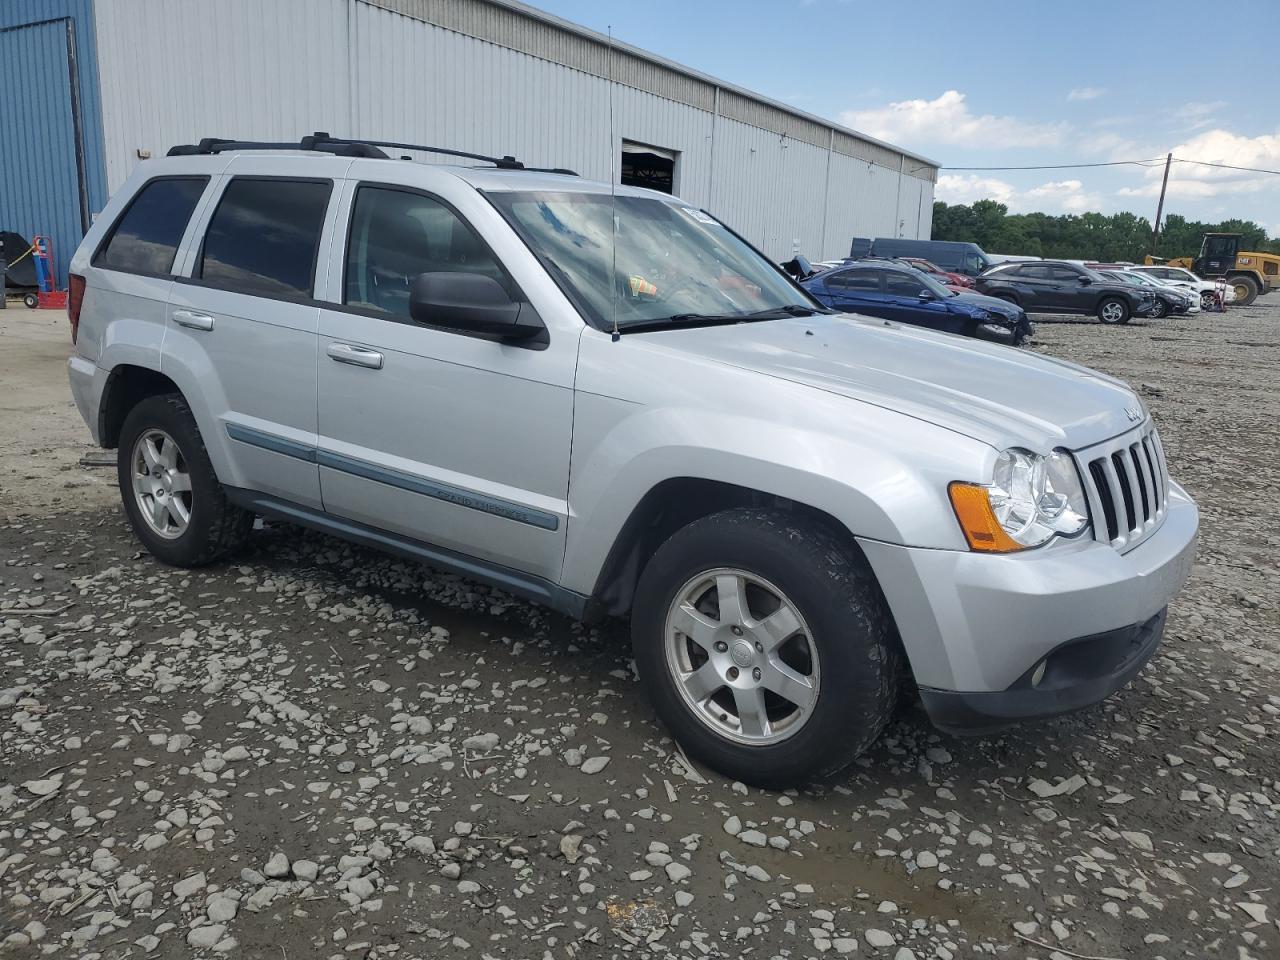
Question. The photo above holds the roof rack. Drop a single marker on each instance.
(324, 143)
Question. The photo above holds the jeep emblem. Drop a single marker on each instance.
(1133, 413)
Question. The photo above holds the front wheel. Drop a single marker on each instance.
(1160, 310)
(1246, 290)
(765, 646)
(1113, 310)
(31, 300)
(171, 495)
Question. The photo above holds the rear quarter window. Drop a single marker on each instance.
(145, 239)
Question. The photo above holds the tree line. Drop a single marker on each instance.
(1087, 236)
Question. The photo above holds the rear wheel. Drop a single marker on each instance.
(1208, 300)
(1113, 310)
(31, 300)
(1246, 289)
(171, 495)
(765, 646)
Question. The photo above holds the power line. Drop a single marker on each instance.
(1072, 166)
(1227, 166)
(1154, 162)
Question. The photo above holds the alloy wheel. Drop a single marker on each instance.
(1112, 312)
(161, 484)
(741, 657)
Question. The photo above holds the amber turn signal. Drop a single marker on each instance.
(978, 520)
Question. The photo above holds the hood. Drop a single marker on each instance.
(998, 395)
(1001, 308)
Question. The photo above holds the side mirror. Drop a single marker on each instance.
(473, 303)
(1085, 281)
(926, 295)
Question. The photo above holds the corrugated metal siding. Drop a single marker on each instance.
(39, 180)
(234, 68)
(363, 68)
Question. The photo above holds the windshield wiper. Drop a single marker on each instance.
(684, 320)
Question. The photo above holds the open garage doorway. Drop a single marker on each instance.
(651, 167)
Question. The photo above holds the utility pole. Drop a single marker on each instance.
(1155, 230)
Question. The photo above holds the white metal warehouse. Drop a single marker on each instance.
(489, 76)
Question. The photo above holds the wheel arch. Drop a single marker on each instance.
(671, 505)
(127, 385)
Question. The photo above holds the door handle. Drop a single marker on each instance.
(196, 321)
(357, 356)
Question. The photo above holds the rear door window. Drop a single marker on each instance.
(853, 280)
(1029, 271)
(264, 237)
(145, 239)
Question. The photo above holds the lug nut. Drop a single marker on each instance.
(759, 647)
(733, 673)
(737, 631)
(721, 646)
(755, 674)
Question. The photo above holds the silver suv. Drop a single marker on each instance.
(609, 402)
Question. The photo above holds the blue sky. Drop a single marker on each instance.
(1009, 84)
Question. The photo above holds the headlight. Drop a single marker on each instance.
(1030, 500)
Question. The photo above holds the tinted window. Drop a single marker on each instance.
(855, 280)
(395, 236)
(146, 238)
(1033, 271)
(1065, 273)
(264, 236)
(904, 285)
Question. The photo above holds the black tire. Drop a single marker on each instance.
(1250, 287)
(1108, 314)
(216, 526)
(31, 300)
(830, 585)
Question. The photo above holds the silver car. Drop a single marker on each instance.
(605, 400)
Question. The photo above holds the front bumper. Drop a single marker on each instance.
(976, 624)
(1075, 674)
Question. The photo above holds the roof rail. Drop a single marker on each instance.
(324, 143)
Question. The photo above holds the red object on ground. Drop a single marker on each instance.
(57, 300)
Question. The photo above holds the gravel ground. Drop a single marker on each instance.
(317, 751)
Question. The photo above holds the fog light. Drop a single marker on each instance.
(1038, 674)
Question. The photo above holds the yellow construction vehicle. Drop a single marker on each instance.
(1251, 274)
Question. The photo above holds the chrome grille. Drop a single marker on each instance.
(1127, 484)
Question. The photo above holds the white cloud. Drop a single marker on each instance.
(1055, 196)
(1086, 93)
(1197, 113)
(1216, 146)
(948, 120)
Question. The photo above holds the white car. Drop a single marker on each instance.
(1180, 286)
(1206, 288)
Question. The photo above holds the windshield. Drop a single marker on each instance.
(671, 261)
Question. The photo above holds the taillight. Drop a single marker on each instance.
(75, 296)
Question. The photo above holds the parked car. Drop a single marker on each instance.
(963, 258)
(798, 510)
(1053, 286)
(1207, 289)
(880, 289)
(944, 277)
(1169, 301)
